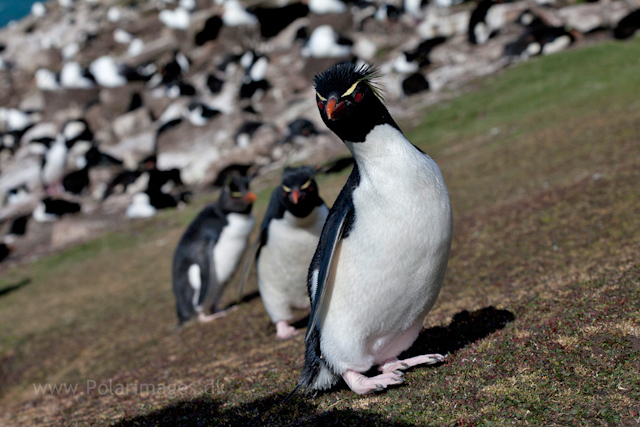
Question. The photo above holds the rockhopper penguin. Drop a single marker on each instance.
(383, 252)
(288, 238)
(210, 251)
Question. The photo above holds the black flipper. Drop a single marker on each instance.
(337, 227)
(332, 233)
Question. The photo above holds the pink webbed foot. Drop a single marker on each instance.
(205, 318)
(284, 331)
(365, 385)
(399, 365)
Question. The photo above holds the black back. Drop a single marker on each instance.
(135, 103)
(478, 15)
(210, 31)
(85, 135)
(248, 127)
(273, 20)
(95, 157)
(207, 112)
(19, 225)
(300, 127)
(247, 90)
(168, 125)
(538, 33)
(158, 178)
(422, 51)
(60, 207)
(627, 25)
(75, 182)
(4, 251)
(124, 178)
(214, 83)
(172, 71)
(415, 83)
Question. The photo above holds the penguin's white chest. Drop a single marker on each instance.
(231, 245)
(390, 268)
(55, 161)
(284, 261)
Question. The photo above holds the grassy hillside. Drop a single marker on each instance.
(539, 311)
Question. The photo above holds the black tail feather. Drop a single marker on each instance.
(293, 393)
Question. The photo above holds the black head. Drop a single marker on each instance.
(236, 197)
(350, 101)
(299, 191)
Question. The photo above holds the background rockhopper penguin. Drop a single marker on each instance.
(383, 252)
(287, 241)
(210, 250)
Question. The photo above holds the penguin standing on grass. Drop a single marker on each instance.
(288, 238)
(383, 252)
(210, 250)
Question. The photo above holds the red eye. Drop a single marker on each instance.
(320, 105)
(358, 97)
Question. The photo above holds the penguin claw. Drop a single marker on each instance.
(394, 364)
(365, 385)
(378, 388)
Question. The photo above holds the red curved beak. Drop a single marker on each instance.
(295, 196)
(334, 108)
(249, 197)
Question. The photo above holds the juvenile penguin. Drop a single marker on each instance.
(210, 250)
(288, 238)
(383, 252)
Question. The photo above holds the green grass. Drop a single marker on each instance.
(542, 93)
(538, 312)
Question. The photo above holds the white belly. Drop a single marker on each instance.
(231, 245)
(284, 262)
(390, 268)
(53, 169)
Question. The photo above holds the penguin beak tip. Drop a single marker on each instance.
(334, 108)
(250, 197)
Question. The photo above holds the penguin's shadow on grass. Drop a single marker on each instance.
(245, 299)
(267, 411)
(465, 328)
(11, 288)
